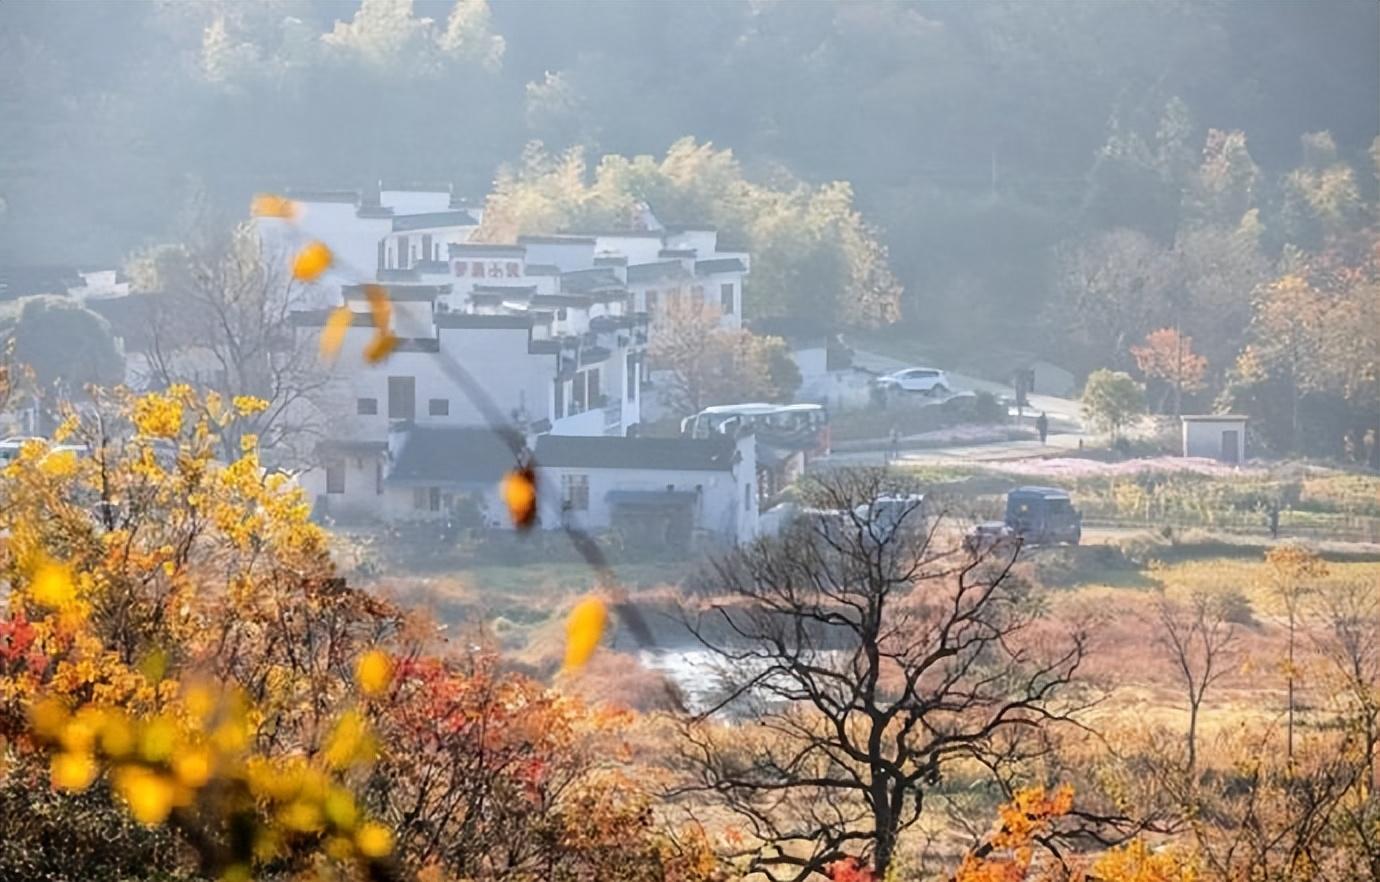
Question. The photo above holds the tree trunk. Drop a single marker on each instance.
(1193, 743)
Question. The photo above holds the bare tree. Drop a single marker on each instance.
(221, 322)
(701, 363)
(1200, 641)
(872, 653)
(1350, 642)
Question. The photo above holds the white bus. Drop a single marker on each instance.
(799, 426)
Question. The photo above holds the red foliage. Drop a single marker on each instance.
(849, 870)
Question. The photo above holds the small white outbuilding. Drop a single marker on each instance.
(1219, 436)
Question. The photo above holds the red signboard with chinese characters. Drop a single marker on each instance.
(488, 269)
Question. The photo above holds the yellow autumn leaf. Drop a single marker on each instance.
(519, 491)
(311, 262)
(59, 464)
(340, 808)
(373, 840)
(380, 347)
(48, 716)
(304, 817)
(248, 405)
(117, 736)
(583, 631)
(157, 740)
(272, 205)
(52, 584)
(333, 334)
(373, 671)
(349, 742)
(72, 771)
(379, 305)
(150, 796)
(192, 766)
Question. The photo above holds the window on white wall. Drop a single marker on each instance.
(630, 373)
(726, 299)
(575, 492)
(335, 477)
(438, 407)
(577, 394)
(367, 406)
(747, 496)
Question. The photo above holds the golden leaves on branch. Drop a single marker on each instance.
(312, 262)
(373, 672)
(333, 334)
(584, 629)
(519, 492)
(272, 205)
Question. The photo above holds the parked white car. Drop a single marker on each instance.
(930, 381)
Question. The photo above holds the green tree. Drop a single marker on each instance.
(812, 251)
(699, 363)
(67, 346)
(1111, 400)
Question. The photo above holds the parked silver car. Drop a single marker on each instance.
(927, 381)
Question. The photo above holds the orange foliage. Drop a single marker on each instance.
(1167, 355)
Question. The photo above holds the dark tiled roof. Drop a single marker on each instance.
(23, 281)
(558, 300)
(405, 293)
(609, 295)
(622, 234)
(485, 249)
(398, 275)
(544, 347)
(543, 269)
(347, 196)
(610, 260)
(418, 344)
(556, 240)
(347, 447)
(609, 452)
(451, 455)
(433, 219)
(651, 498)
(377, 211)
(468, 320)
(676, 252)
(417, 187)
(650, 272)
(719, 265)
(610, 322)
(689, 228)
(584, 281)
(514, 290)
(316, 318)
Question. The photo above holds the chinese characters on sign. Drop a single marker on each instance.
(488, 269)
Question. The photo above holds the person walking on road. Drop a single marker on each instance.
(1042, 426)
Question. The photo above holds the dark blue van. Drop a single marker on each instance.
(1043, 515)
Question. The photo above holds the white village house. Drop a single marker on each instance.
(553, 330)
(1220, 436)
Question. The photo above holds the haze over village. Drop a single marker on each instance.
(567, 440)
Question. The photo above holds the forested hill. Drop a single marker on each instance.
(976, 136)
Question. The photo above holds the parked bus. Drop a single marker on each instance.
(797, 426)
